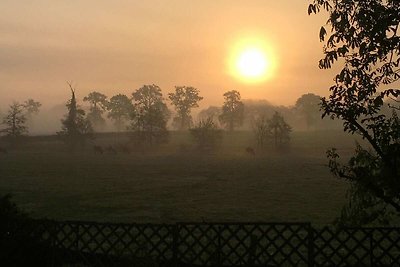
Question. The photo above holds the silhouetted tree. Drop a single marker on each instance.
(14, 121)
(254, 109)
(98, 104)
(279, 130)
(210, 112)
(32, 107)
(76, 128)
(149, 120)
(232, 110)
(308, 105)
(206, 135)
(262, 131)
(184, 99)
(120, 109)
(364, 35)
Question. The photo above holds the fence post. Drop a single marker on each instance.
(219, 248)
(53, 235)
(175, 244)
(371, 247)
(77, 237)
(310, 246)
(252, 250)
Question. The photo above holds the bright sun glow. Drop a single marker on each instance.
(251, 61)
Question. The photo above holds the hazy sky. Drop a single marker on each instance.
(117, 46)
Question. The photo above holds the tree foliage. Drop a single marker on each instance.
(15, 121)
(279, 130)
(262, 131)
(212, 112)
(120, 109)
(76, 128)
(31, 106)
(206, 135)
(308, 105)
(185, 98)
(98, 105)
(232, 110)
(149, 120)
(274, 129)
(364, 35)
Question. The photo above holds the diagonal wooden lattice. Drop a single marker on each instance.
(386, 246)
(203, 244)
(103, 244)
(138, 240)
(346, 247)
(241, 244)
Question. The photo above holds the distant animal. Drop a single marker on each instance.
(125, 149)
(111, 150)
(250, 151)
(98, 150)
(3, 150)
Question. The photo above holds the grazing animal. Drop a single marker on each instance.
(125, 149)
(3, 150)
(250, 151)
(98, 150)
(111, 150)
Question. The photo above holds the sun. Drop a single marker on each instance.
(251, 61)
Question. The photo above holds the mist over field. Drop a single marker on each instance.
(200, 133)
(177, 183)
(116, 175)
(48, 120)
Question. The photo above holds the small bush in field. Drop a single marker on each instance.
(206, 135)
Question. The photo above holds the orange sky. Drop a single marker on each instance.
(117, 46)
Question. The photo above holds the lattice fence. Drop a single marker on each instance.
(244, 244)
(356, 247)
(197, 244)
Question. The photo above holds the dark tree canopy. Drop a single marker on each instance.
(98, 105)
(15, 121)
(262, 131)
(308, 105)
(365, 37)
(274, 129)
(232, 110)
(75, 129)
(184, 100)
(31, 106)
(212, 112)
(120, 109)
(279, 130)
(206, 135)
(149, 120)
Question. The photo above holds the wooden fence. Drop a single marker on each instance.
(203, 244)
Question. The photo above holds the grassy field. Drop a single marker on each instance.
(177, 184)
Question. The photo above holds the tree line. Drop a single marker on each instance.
(145, 115)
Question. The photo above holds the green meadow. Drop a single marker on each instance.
(176, 182)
